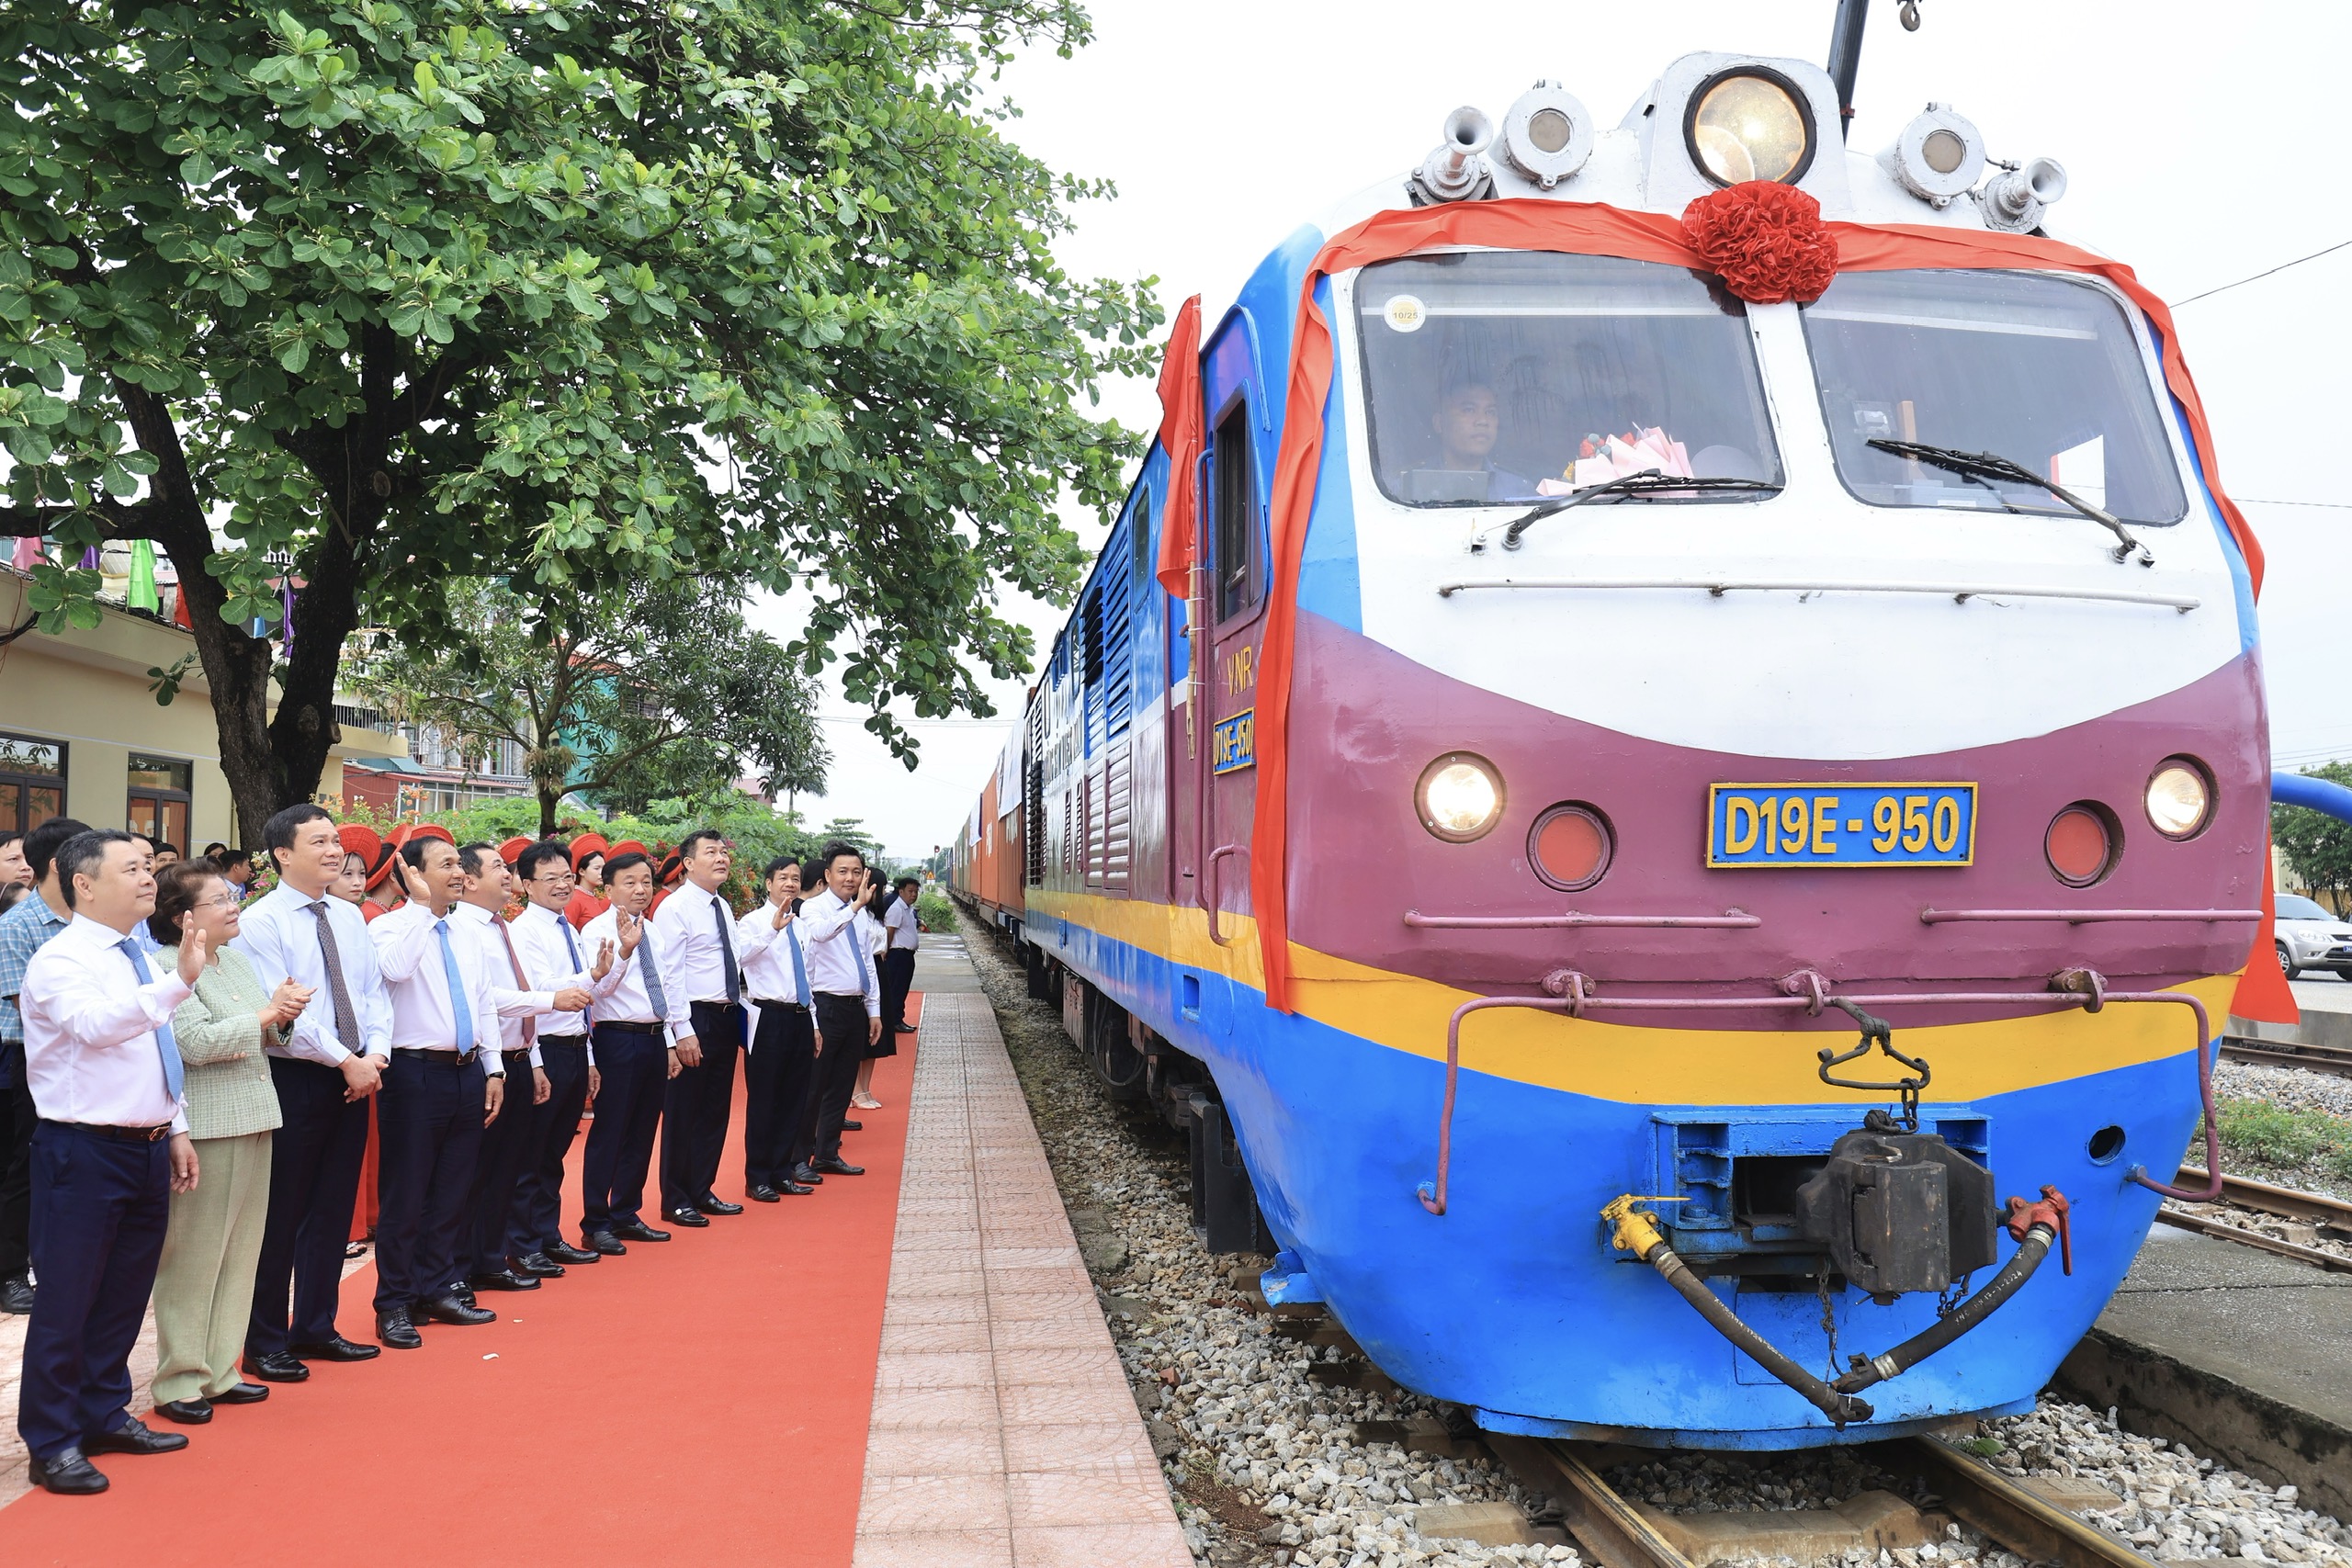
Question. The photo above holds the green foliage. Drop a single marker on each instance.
(163, 681)
(591, 294)
(666, 692)
(2282, 1139)
(2318, 847)
(935, 909)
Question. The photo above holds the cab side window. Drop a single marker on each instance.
(1239, 574)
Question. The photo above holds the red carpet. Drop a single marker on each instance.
(703, 1400)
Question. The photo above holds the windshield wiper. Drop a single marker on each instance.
(1991, 466)
(1649, 481)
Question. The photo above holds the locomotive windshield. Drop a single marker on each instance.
(2043, 371)
(1505, 376)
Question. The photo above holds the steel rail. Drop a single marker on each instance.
(2333, 1060)
(2223, 1230)
(2285, 1202)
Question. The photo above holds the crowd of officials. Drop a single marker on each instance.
(205, 1094)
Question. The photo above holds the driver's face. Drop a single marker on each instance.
(1467, 422)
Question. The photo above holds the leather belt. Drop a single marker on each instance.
(629, 1027)
(763, 1004)
(123, 1134)
(546, 1039)
(440, 1055)
(723, 1006)
(522, 1051)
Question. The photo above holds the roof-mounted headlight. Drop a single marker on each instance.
(1548, 133)
(1749, 123)
(1939, 157)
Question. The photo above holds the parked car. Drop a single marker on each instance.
(2310, 938)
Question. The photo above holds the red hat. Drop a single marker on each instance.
(674, 865)
(512, 850)
(630, 847)
(429, 831)
(588, 844)
(360, 839)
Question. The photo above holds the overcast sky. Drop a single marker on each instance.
(2203, 144)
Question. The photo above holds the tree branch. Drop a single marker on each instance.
(118, 520)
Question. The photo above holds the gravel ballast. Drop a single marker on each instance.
(1268, 1464)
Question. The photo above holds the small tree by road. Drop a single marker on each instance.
(2318, 847)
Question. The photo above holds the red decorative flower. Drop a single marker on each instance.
(1767, 241)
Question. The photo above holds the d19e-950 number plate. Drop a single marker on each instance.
(1841, 825)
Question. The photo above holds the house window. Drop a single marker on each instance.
(159, 799)
(32, 782)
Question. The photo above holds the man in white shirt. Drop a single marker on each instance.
(554, 957)
(447, 1083)
(780, 1067)
(897, 968)
(642, 1034)
(110, 1149)
(331, 1061)
(697, 931)
(481, 1251)
(848, 997)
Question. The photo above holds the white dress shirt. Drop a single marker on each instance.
(691, 921)
(91, 1054)
(407, 948)
(516, 1006)
(767, 956)
(550, 966)
(621, 996)
(279, 936)
(841, 954)
(904, 932)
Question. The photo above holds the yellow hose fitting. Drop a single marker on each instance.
(1635, 1232)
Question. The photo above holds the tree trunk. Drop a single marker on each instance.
(550, 796)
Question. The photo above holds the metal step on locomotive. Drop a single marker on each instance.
(1684, 695)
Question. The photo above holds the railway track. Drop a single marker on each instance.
(2334, 1060)
(2332, 1215)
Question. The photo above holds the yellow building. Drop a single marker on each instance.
(81, 732)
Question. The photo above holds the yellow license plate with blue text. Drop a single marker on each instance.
(1840, 825)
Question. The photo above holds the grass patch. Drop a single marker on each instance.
(2284, 1139)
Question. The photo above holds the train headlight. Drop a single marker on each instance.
(1749, 123)
(2180, 798)
(1459, 797)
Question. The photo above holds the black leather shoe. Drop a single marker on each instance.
(717, 1206)
(638, 1230)
(394, 1329)
(134, 1437)
(540, 1265)
(796, 1189)
(604, 1245)
(16, 1296)
(760, 1192)
(852, 1126)
(450, 1309)
(506, 1279)
(279, 1366)
(67, 1473)
(564, 1252)
(906, 1029)
(461, 1289)
(689, 1218)
(186, 1412)
(837, 1166)
(807, 1176)
(252, 1392)
(336, 1349)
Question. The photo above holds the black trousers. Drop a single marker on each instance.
(497, 1169)
(779, 1104)
(430, 1115)
(314, 1163)
(697, 1107)
(99, 1208)
(621, 1140)
(535, 1219)
(897, 969)
(840, 1026)
(16, 1122)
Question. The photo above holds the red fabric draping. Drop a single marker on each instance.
(1180, 432)
(1588, 229)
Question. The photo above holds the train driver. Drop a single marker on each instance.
(1468, 422)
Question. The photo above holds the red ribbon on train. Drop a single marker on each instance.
(1591, 229)
(1180, 432)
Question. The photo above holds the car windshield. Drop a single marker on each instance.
(2044, 371)
(2294, 909)
(1493, 377)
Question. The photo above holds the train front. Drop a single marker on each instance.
(1708, 716)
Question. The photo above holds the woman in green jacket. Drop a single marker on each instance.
(204, 1286)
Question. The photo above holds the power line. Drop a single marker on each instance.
(2258, 276)
(2261, 501)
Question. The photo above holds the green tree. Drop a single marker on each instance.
(588, 294)
(661, 693)
(2318, 848)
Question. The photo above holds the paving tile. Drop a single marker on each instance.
(919, 1409)
(1063, 1367)
(1080, 1330)
(1077, 1445)
(935, 1549)
(952, 1451)
(1106, 1494)
(1017, 1302)
(1101, 1546)
(909, 1279)
(940, 1369)
(1038, 1404)
(970, 1334)
(908, 1310)
(896, 1504)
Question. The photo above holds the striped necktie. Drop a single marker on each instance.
(166, 1048)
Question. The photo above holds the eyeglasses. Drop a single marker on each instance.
(555, 879)
(221, 900)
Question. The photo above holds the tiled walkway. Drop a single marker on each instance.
(1003, 1430)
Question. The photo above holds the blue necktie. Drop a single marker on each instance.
(799, 970)
(175, 1070)
(459, 1014)
(652, 979)
(587, 1014)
